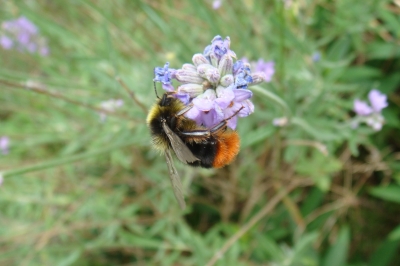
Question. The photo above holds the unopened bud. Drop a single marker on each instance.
(257, 78)
(193, 90)
(225, 65)
(199, 59)
(226, 80)
(214, 59)
(203, 69)
(213, 75)
(188, 76)
(189, 67)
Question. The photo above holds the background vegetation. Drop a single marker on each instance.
(79, 190)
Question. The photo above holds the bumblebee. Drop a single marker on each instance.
(192, 144)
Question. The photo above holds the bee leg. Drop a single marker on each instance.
(184, 110)
(222, 125)
(206, 133)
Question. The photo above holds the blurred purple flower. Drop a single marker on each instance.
(371, 115)
(23, 35)
(362, 108)
(6, 42)
(316, 56)
(110, 106)
(378, 100)
(216, 4)
(4, 144)
(267, 68)
(44, 51)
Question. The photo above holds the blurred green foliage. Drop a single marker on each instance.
(79, 191)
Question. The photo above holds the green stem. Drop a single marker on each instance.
(272, 96)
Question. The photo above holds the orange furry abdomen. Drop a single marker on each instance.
(228, 145)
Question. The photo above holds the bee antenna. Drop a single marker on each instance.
(155, 89)
(235, 113)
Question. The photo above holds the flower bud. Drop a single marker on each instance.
(199, 59)
(225, 65)
(187, 76)
(189, 67)
(214, 59)
(203, 68)
(226, 80)
(193, 90)
(257, 78)
(213, 75)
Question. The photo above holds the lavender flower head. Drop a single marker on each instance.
(371, 114)
(4, 145)
(22, 35)
(215, 85)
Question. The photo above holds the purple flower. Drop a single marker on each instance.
(217, 49)
(231, 100)
(4, 145)
(371, 115)
(6, 42)
(25, 25)
(242, 77)
(362, 108)
(378, 100)
(44, 51)
(216, 4)
(267, 68)
(205, 110)
(23, 35)
(164, 75)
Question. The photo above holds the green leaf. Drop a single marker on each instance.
(73, 257)
(319, 168)
(389, 193)
(395, 234)
(337, 254)
(270, 247)
(273, 97)
(304, 253)
(257, 135)
(384, 253)
(383, 50)
(360, 73)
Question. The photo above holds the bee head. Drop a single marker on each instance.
(166, 100)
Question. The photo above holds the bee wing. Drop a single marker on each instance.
(175, 180)
(181, 150)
